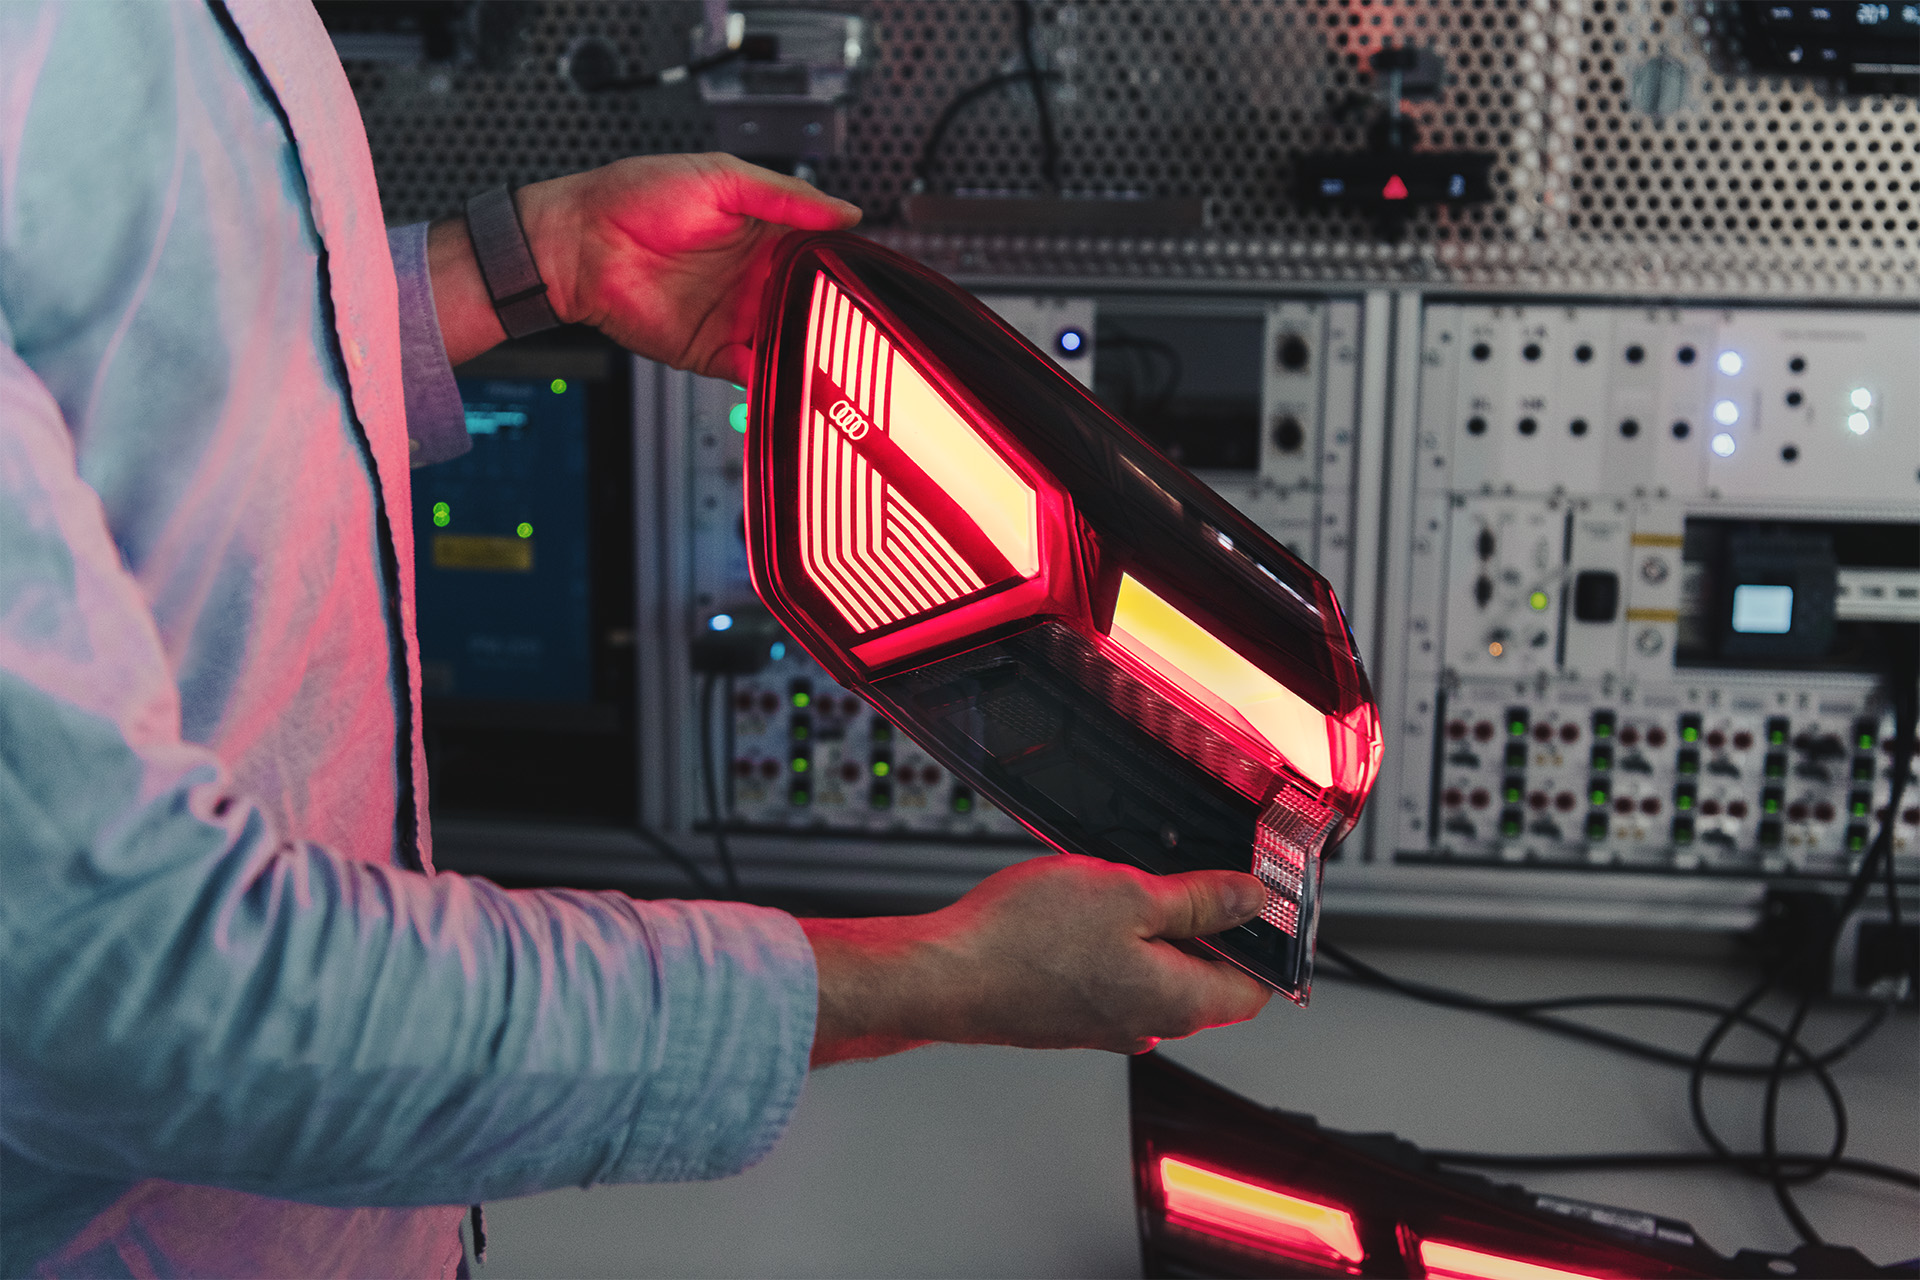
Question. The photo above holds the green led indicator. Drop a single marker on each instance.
(1777, 738)
(963, 804)
(1516, 728)
(442, 514)
(1690, 733)
(1510, 827)
(1599, 796)
(1538, 600)
(1858, 808)
(1856, 841)
(524, 529)
(802, 699)
(881, 768)
(799, 764)
(1866, 741)
(1683, 801)
(737, 418)
(1771, 804)
(558, 386)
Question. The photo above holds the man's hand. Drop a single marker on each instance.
(666, 255)
(1055, 953)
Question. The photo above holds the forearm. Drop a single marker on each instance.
(878, 984)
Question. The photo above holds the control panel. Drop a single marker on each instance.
(1634, 627)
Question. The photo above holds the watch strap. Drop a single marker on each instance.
(506, 264)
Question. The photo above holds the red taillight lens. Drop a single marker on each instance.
(1048, 606)
(904, 508)
(1262, 1217)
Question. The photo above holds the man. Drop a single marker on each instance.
(243, 1028)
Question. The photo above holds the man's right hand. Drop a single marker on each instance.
(1056, 953)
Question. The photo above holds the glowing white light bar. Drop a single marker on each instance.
(1199, 1197)
(1731, 363)
(1722, 444)
(1861, 398)
(1726, 413)
(1858, 423)
(1151, 629)
(1451, 1262)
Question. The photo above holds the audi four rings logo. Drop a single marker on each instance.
(849, 420)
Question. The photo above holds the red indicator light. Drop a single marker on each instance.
(1452, 1262)
(1257, 1215)
(1394, 190)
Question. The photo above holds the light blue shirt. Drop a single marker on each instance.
(242, 1028)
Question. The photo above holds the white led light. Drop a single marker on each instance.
(1726, 413)
(1722, 445)
(1731, 363)
(1857, 423)
(720, 621)
(1862, 398)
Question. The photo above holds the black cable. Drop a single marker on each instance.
(1534, 1013)
(660, 845)
(1049, 142)
(672, 75)
(1902, 693)
(708, 785)
(923, 167)
(1664, 1160)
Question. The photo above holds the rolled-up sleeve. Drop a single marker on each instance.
(436, 420)
(191, 995)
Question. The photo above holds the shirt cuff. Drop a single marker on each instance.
(436, 420)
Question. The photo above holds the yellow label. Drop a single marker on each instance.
(1658, 540)
(1653, 615)
(491, 555)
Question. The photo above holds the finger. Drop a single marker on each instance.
(1192, 903)
(1213, 994)
(753, 192)
(733, 363)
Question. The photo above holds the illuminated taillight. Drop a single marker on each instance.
(1259, 1216)
(1052, 609)
(905, 508)
(1453, 1262)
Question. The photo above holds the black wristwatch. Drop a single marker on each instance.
(506, 264)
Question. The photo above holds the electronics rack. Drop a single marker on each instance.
(1654, 185)
(1531, 575)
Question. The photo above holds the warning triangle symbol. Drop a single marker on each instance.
(1394, 190)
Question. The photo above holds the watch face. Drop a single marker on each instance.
(1043, 601)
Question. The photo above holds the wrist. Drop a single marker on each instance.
(883, 987)
(549, 213)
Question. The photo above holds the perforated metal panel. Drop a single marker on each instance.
(1634, 154)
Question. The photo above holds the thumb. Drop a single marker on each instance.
(753, 192)
(1192, 903)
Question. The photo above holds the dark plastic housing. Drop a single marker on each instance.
(1051, 608)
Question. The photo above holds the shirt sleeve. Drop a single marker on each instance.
(191, 995)
(436, 420)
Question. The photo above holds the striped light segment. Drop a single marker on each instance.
(877, 556)
(1214, 1202)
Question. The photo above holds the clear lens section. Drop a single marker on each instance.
(904, 509)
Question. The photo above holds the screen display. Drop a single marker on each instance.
(1762, 610)
(501, 544)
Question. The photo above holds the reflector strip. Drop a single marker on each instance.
(871, 424)
(1451, 1262)
(1160, 635)
(1201, 1198)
